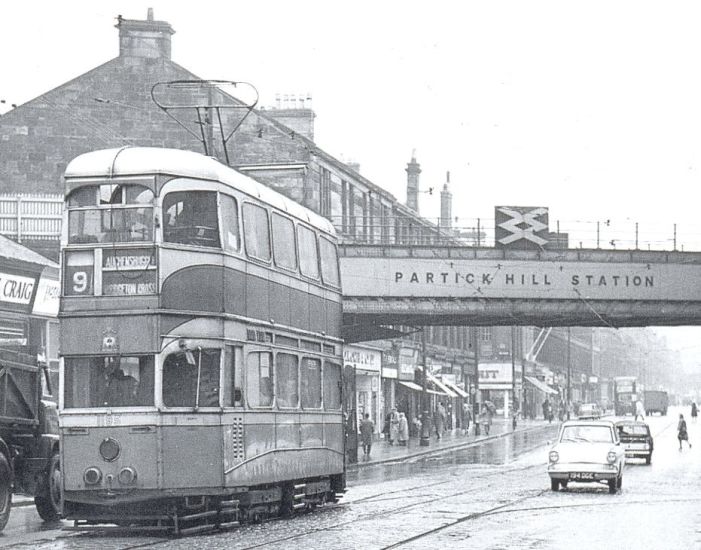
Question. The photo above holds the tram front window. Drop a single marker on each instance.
(181, 372)
(110, 214)
(115, 381)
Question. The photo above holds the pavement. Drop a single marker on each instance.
(383, 452)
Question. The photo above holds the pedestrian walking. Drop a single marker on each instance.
(682, 434)
(367, 428)
(444, 414)
(486, 419)
(466, 418)
(547, 410)
(403, 429)
(694, 412)
(639, 410)
(393, 426)
(438, 422)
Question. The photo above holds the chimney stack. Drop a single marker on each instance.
(295, 112)
(446, 221)
(413, 169)
(149, 38)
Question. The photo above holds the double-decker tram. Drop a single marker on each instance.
(201, 346)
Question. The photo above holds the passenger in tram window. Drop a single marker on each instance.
(120, 388)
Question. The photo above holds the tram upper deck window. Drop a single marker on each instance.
(256, 232)
(181, 372)
(308, 255)
(259, 379)
(329, 262)
(284, 247)
(190, 217)
(110, 213)
(92, 382)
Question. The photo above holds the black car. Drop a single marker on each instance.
(636, 439)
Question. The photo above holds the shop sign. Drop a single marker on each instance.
(390, 364)
(362, 358)
(494, 373)
(450, 378)
(47, 298)
(593, 379)
(408, 359)
(16, 289)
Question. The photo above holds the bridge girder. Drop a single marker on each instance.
(518, 312)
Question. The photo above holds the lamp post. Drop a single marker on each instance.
(425, 438)
(477, 399)
(569, 372)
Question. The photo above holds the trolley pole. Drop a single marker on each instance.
(513, 378)
(425, 438)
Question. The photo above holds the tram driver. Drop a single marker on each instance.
(120, 388)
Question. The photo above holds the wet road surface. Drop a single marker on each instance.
(494, 496)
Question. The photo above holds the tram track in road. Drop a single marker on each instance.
(390, 511)
(505, 508)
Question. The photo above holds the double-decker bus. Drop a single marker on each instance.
(625, 394)
(201, 369)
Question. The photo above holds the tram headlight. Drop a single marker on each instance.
(109, 449)
(127, 476)
(92, 476)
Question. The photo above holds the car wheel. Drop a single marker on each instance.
(612, 486)
(563, 484)
(554, 484)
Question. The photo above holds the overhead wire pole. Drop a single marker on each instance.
(476, 401)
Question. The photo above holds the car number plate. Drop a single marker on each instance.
(581, 476)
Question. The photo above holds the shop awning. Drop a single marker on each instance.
(456, 389)
(410, 385)
(542, 386)
(447, 391)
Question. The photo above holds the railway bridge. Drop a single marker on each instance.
(461, 285)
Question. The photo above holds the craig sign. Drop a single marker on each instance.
(529, 279)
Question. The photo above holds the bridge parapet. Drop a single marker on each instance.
(435, 285)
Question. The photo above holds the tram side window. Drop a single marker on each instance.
(259, 379)
(311, 383)
(230, 223)
(190, 217)
(287, 380)
(332, 386)
(256, 231)
(284, 248)
(308, 255)
(233, 393)
(329, 262)
(181, 371)
(108, 381)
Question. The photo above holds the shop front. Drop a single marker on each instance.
(366, 362)
(496, 383)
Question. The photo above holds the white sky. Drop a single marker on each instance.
(592, 109)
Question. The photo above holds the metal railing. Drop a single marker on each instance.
(480, 232)
(31, 217)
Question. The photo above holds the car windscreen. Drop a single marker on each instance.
(586, 434)
(632, 429)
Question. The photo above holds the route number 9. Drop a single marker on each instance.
(80, 282)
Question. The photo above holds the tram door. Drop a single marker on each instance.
(350, 412)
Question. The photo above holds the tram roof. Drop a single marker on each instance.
(135, 161)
